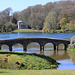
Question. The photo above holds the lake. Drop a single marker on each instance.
(21, 35)
(67, 59)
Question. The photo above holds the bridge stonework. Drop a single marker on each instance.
(41, 41)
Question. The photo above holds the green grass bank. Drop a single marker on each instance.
(26, 61)
(23, 30)
(37, 72)
(26, 30)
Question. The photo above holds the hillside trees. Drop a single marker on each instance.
(63, 23)
(50, 21)
(5, 20)
(70, 26)
(25, 15)
(14, 20)
(36, 20)
(41, 16)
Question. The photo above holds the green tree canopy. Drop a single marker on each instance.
(63, 23)
(70, 26)
(50, 21)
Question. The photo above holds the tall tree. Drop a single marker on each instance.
(14, 20)
(6, 14)
(63, 23)
(50, 21)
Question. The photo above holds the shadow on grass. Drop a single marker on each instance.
(17, 53)
(4, 72)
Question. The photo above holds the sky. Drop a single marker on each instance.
(19, 5)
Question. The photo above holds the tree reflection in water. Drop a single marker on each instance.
(72, 56)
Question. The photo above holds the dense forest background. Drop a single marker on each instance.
(49, 18)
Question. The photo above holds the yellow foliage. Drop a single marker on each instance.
(63, 23)
(43, 30)
(47, 30)
(51, 30)
(61, 30)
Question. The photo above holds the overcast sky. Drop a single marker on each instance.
(18, 5)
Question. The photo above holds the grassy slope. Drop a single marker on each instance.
(23, 30)
(16, 60)
(37, 72)
(32, 72)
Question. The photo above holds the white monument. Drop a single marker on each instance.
(21, 25)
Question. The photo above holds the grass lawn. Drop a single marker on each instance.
(23, 30)
(37, 72)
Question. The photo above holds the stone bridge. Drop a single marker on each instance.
(41, 41)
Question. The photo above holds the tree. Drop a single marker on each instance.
(50, 21)
(2, 22)
(10, 26)
(14, 20)
(70, 26)
(63, 23)
(36, 20)
(4, 18)
(6, 14)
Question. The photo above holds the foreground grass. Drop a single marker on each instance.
(37, 72)
(25, 61)
(23, 30)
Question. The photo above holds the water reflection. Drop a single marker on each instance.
(61, 46)
(72, 56)
(60, 55)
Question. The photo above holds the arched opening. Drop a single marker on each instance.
(5, 47)
(17, 47)
(33, 47)
(49, 46)
(61, 46)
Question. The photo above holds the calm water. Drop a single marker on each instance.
(21, 35)
(67, 59)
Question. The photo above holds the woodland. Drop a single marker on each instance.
(51, 17)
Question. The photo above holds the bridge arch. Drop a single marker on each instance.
(32, 46)
(16, 43)
(49, 46)
(5, 47)
(61, 46)
(17, 47)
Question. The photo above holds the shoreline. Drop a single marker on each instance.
(31, 30)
